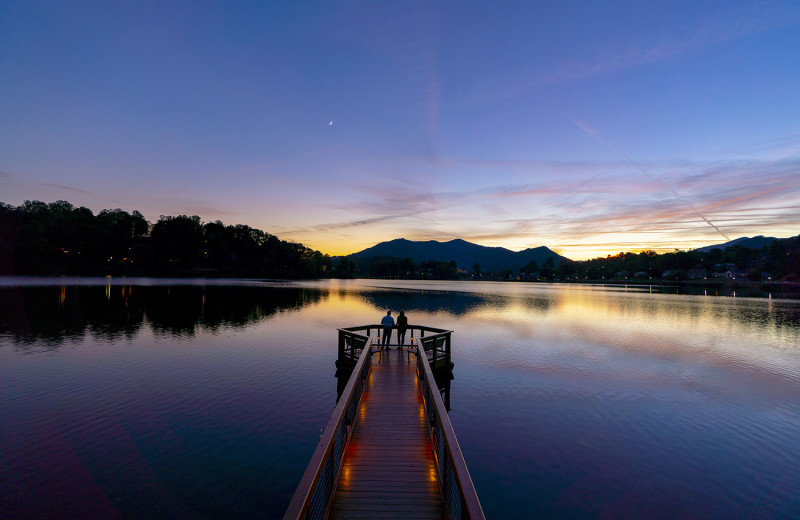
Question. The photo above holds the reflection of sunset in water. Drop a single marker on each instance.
(566, 399)
(723, 328)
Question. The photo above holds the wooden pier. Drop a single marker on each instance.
(388, 469)
(389, 450)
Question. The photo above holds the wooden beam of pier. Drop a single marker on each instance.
(389, 470)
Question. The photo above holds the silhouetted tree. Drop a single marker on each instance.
(346, 268)
(178, 242)
(531, 267)
(548, 269)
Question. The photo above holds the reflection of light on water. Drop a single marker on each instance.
(752, 331)
(581, 318)
(432, 474)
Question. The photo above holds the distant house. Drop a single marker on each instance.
(732, 274)
(721, 269)
(696, 273)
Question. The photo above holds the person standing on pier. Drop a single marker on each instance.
(388, 323)
(402, 326)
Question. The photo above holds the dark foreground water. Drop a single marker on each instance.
(145, 399)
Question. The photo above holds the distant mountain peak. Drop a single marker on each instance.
(756, 242)
(464, 253)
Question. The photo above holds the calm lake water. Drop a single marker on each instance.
(126, 398)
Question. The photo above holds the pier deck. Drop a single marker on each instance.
(389, 470)
(388, 450)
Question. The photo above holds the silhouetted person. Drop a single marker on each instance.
(388, 323)
(402, 326)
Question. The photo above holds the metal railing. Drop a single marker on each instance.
(458, 492)
(437, 349)
(315, 491)
(437, 346)
(351, 344)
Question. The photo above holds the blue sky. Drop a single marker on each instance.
(588, 127)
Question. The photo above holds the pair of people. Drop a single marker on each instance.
(388, 324)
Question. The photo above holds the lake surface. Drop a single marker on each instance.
(145, 398)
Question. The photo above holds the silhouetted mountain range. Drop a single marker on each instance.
(751, 243)
(465, 254)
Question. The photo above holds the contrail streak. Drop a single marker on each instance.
(639, 167)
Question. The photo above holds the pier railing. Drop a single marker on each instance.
(436, 343)
(314, 493)
(437, 348)
(458, 492)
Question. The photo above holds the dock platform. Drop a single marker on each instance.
(389, 470)
(388, 450)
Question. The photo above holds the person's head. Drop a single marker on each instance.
(402, 313)
(388, 313)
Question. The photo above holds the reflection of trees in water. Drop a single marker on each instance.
(452, 302)
(426, 301)
(182, 309)
(55, 314)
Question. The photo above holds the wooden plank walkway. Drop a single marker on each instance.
(389, 470)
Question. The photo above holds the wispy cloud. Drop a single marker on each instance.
(354, 223)
(726, 25)
(69, 188)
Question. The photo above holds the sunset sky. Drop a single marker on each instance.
(588, 127)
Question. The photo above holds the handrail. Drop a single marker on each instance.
(379, 328)
(350, 344)
(438, 344)
(313, 495)
(458, 491)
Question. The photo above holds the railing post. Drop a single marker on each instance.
(447, 350)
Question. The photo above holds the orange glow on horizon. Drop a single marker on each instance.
(578, 250)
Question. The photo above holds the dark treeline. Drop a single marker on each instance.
(780, 261)
(59, 239)
(393, 267)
